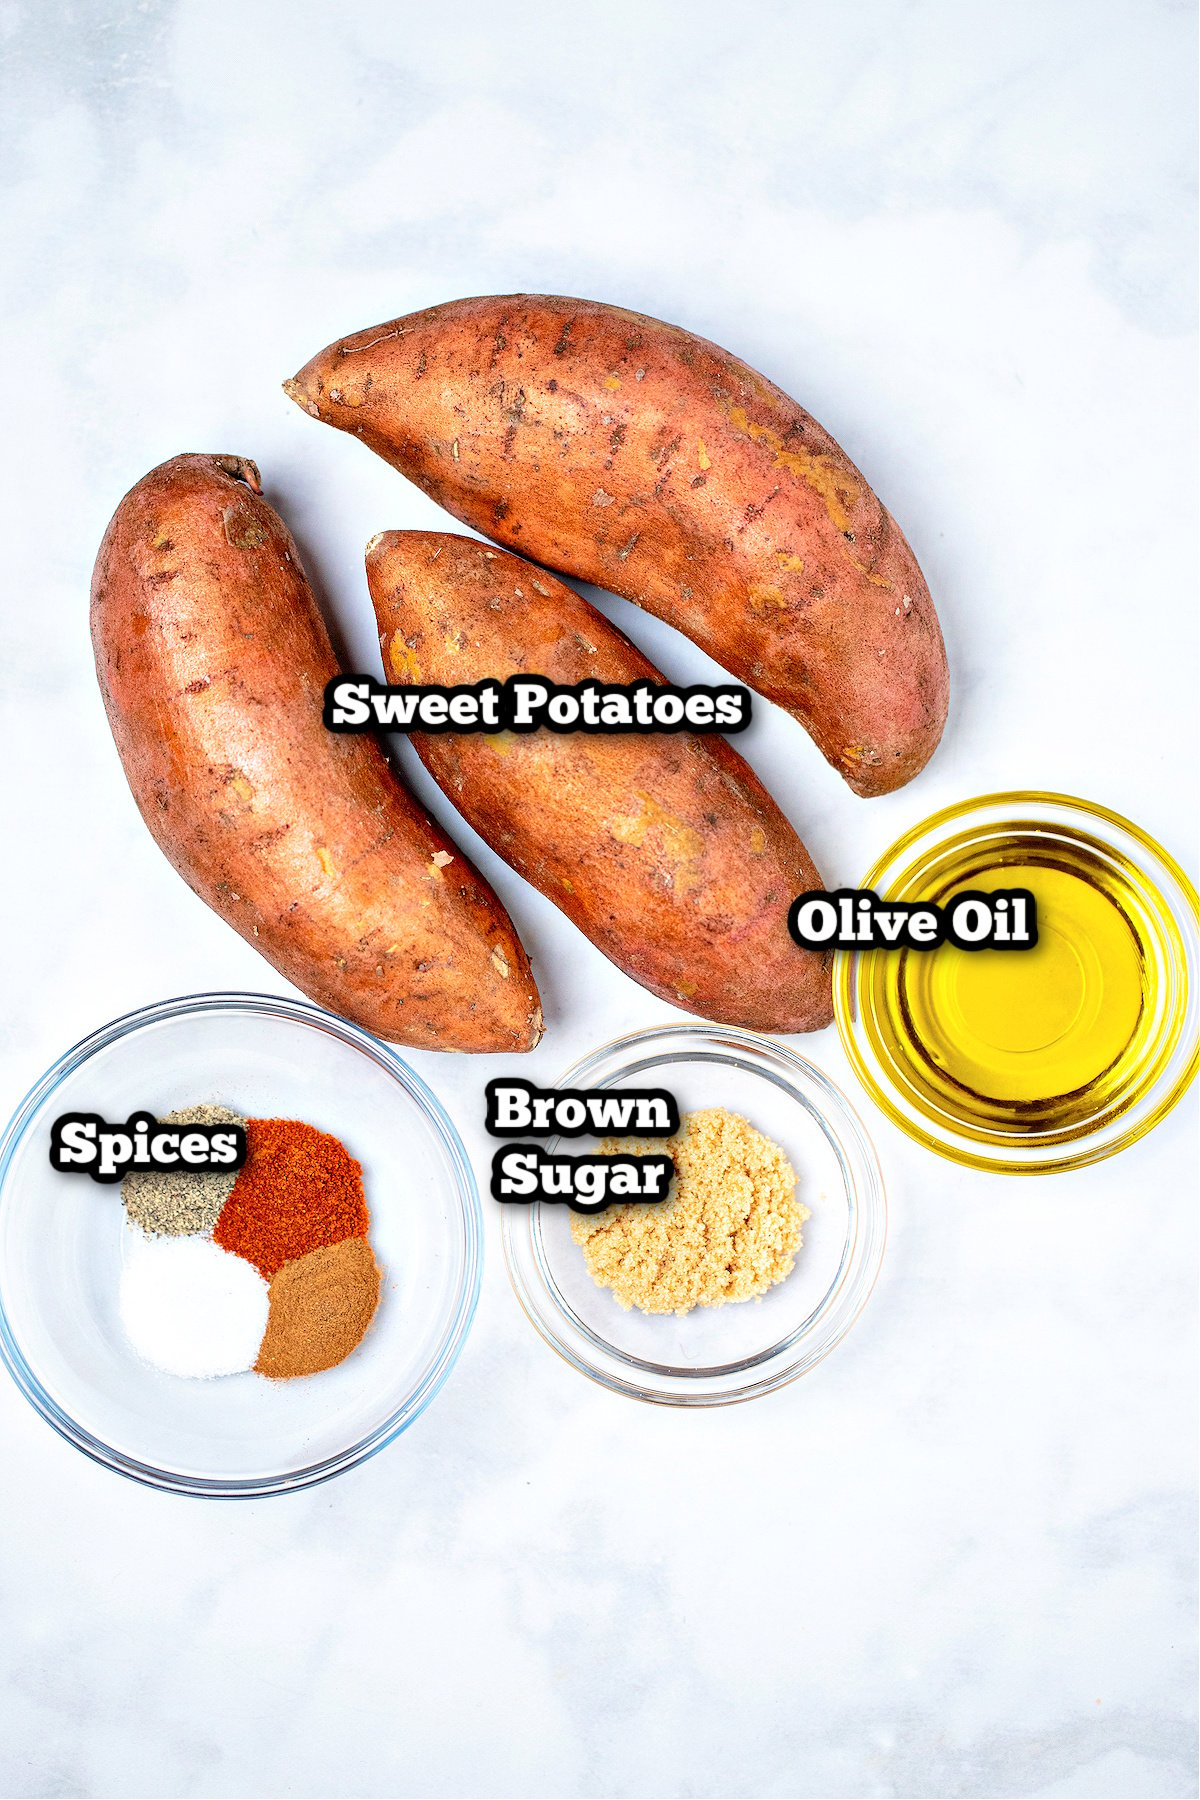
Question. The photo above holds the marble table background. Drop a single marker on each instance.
(958, 1559)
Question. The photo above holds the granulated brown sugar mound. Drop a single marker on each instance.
(729, 1230)
(319, 1308)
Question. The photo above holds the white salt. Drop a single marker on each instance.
(191, 1308)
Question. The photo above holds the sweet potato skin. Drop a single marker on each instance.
(635, 455)
(212, 658)
(664, 849)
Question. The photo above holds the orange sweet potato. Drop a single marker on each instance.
(213, 659)
(639, 457)
(665, 850)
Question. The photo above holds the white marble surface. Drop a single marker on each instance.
(958, 1558)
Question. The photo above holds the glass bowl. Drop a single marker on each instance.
(714, 1356)
(61, 1245)
(1155, 905)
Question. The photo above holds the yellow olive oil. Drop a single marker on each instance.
(1045, 1039)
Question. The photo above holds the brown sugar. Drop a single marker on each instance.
(320, 1307)
(728, 1231)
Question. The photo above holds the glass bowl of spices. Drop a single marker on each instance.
(236, 1334)
(1033, 1061)
(759, 1261)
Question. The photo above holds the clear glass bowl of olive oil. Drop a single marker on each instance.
(1030, 1061)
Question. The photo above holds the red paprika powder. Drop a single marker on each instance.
(298, 1190)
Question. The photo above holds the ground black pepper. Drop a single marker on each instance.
(180, 1201)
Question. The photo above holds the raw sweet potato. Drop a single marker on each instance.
(665, 850)
(213, 659)
(634, 455)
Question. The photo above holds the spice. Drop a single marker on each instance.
(294, 1217)
(298, 1190)
(728, 1231)
(180, 1200)
(321, 1305)
(190, 1308)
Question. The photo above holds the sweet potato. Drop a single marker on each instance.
(665, 850)
(632, 454)
(213, 658)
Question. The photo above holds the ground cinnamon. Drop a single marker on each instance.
(299, 1189)
(320, 1307)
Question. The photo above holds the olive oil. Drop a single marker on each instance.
(999, 1032)
(1001, 1057)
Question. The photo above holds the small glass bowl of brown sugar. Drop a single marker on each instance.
(741, 1280)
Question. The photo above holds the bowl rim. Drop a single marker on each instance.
(309, 1016)
(1181, 913)
(858, 1269)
